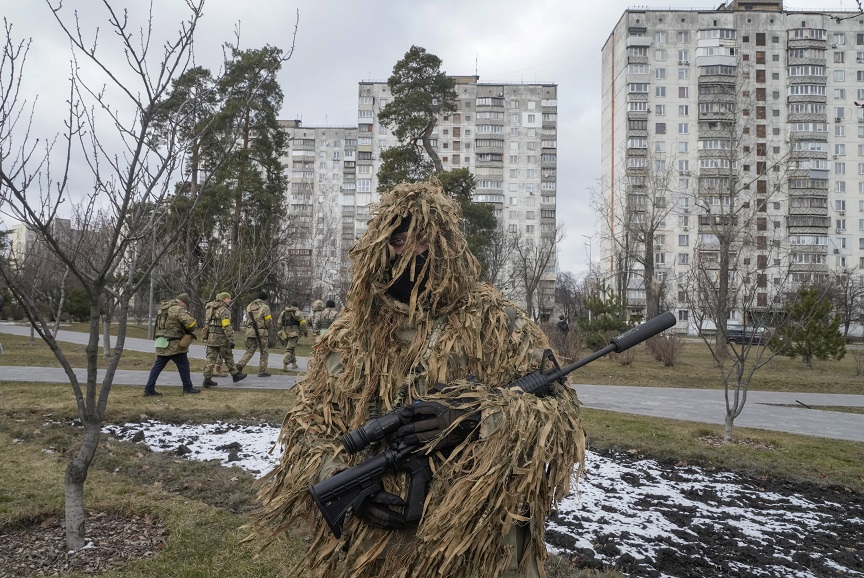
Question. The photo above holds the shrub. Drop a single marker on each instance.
(665, 348)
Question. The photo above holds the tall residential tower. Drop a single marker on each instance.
(746, 116)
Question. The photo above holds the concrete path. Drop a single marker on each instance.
(764, 410)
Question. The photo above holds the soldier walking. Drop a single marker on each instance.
(291, 325)
(257, 321)
(175, 329)
(324, 319)
(218, 336)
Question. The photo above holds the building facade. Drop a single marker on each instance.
(742, 116)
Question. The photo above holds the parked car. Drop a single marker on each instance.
(751, 335)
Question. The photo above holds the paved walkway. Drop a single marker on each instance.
(764, 410)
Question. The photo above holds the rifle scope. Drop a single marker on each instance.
(374, 430)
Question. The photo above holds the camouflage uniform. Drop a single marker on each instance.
(291, 324)
(324, 320)
(257, 313)
(220, 338)
(172, 323)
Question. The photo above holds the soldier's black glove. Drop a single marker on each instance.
(374, 511)
(231, 345)
(430, 419)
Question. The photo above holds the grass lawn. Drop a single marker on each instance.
(204, 505)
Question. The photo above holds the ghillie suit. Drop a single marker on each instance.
(489, 498)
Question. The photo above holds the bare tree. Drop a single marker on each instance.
(110, 128)
(743, 261)
(533, 264)
(847, 297)
(498, 256)
(636, 224)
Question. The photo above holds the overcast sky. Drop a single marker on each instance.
(340, 43)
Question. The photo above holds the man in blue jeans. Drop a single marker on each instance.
(175, 328)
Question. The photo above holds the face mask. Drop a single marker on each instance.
(403, 285)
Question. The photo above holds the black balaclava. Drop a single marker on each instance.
(401, 288)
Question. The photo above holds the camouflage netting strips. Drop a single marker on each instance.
(380, 353)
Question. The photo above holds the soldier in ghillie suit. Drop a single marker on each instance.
(324, 319)
(417, 317)
(291, 325)
(218, 336)
(175, 330)
(257, 323)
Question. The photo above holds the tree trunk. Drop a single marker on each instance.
(430, 150)
(73, 484)
(727, 428)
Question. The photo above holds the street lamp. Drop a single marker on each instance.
(589, 268)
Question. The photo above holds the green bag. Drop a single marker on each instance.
(161, 342)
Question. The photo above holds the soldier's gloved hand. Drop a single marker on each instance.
(430, 419)
(374, 511)
(231, 345)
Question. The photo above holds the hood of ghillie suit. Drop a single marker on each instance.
(448, 272)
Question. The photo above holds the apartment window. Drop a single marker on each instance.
(660, 55)
(683, 110)
(660, 146)
(760, 76)
(839, 93)
(660, 91)
(683, 91)
(660, 128)
(660, 109)
(683, 73)
(684, 57)
(683, 258)
(364, 185)
(839, 130)
(760, 39)
(515, 103)
(840, 186)
(683, 146)
(840, 205)
(660, 74)
(839, 76)
(683, 240)
(839, 149)
(660, 37)
(684, 36)
(838, 57)
(838, 38)
(683, 128)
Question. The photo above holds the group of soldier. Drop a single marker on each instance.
(175, 328)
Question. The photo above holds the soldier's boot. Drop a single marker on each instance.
(218, 371)
(264, 374)
(294, 365)
(193, 390)
(209, 382)
(284, 367)
(238, 376)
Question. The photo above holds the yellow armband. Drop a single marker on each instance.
(267, 318)
(225, 323)
(191, 325)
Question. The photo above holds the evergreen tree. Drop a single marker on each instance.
(602, 319)
(810, 330)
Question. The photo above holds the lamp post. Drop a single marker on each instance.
(588, 237)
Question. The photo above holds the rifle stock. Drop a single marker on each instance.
(346, 490)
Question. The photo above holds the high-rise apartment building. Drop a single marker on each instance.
(320, 163)
(746, 114)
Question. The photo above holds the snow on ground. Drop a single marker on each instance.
(645, 518)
